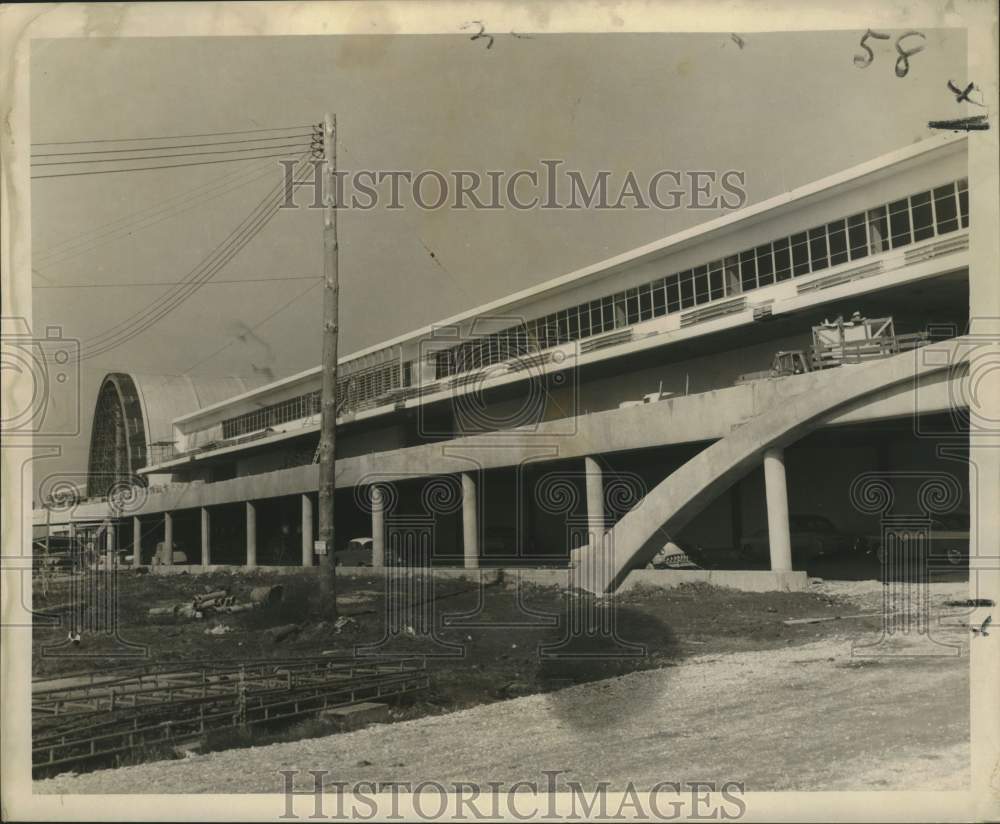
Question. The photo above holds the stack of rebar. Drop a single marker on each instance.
(98, 719)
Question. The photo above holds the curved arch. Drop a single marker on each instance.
(677, 499)
(134, 412)
(117, 435)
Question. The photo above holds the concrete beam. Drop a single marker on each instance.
(378, 526)
(470, 522)
(778, 531)
(307, 531)
(251, 508)
(701, 417)
(206, 537)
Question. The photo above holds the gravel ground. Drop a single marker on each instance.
(806, 717)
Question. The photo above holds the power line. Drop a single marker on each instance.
(173, 137)
(220, 257)
(299, 144)
(213, 282)
(87, 241)
(149, 168)
(156, 310)
(185, 146)
(253, 328)
(161, 157)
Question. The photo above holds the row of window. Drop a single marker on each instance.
(889, 226)
(352, 391)
(277, 413)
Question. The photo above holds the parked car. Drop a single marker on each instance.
(949, 539)
(177, 556)
(672, 556)
(813, 536)
(358, 552)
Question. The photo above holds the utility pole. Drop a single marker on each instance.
(328, 398)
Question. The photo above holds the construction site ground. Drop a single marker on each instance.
(704, 684)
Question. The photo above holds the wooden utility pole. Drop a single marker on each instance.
(328, 405)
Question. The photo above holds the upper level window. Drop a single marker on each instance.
(889, 226)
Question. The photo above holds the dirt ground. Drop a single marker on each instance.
(702, 682)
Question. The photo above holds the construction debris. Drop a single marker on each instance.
(819, 620)
(344, 622)
(102, 718)
(267, 595)
(220, 601)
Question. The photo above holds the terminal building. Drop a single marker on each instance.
(675, 394)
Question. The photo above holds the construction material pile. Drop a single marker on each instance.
(220, 601)
(101, 717)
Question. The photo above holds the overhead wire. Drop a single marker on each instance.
(218, 258)
(256, 326)
(185, 146)
(83, 242)
(161, 157)
(139, 283)
(173, 137)
(150, 168)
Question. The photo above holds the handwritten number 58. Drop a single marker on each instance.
(863, 61)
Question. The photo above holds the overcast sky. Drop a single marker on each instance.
(785, 108)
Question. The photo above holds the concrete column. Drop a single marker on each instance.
(251, 535)
(778, 530)
(168, 539)
(470, 523)
(206, 537)
(736, 516)
(595, 497)
(378, 527)
(307, 531)
(110, 547)
(136, 541)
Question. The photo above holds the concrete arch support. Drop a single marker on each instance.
(675, 501)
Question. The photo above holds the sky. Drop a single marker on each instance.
(785, 108)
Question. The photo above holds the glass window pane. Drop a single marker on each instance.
(748, 271)
(687, 290)
(765, 265)
(923, 216)
(836, 234)
(659, 298)
(800, 254)
(945, 208)
(963, 201)
(701, 284)
(621, 318)
(573, 316)
(857, 236)
(817, 248)
(715, 286)
(632, 297)
(782, 259)
(645, 302)
(673, 293)
(899, 223)
(732, 275)
(878, 230)
(607, 314)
